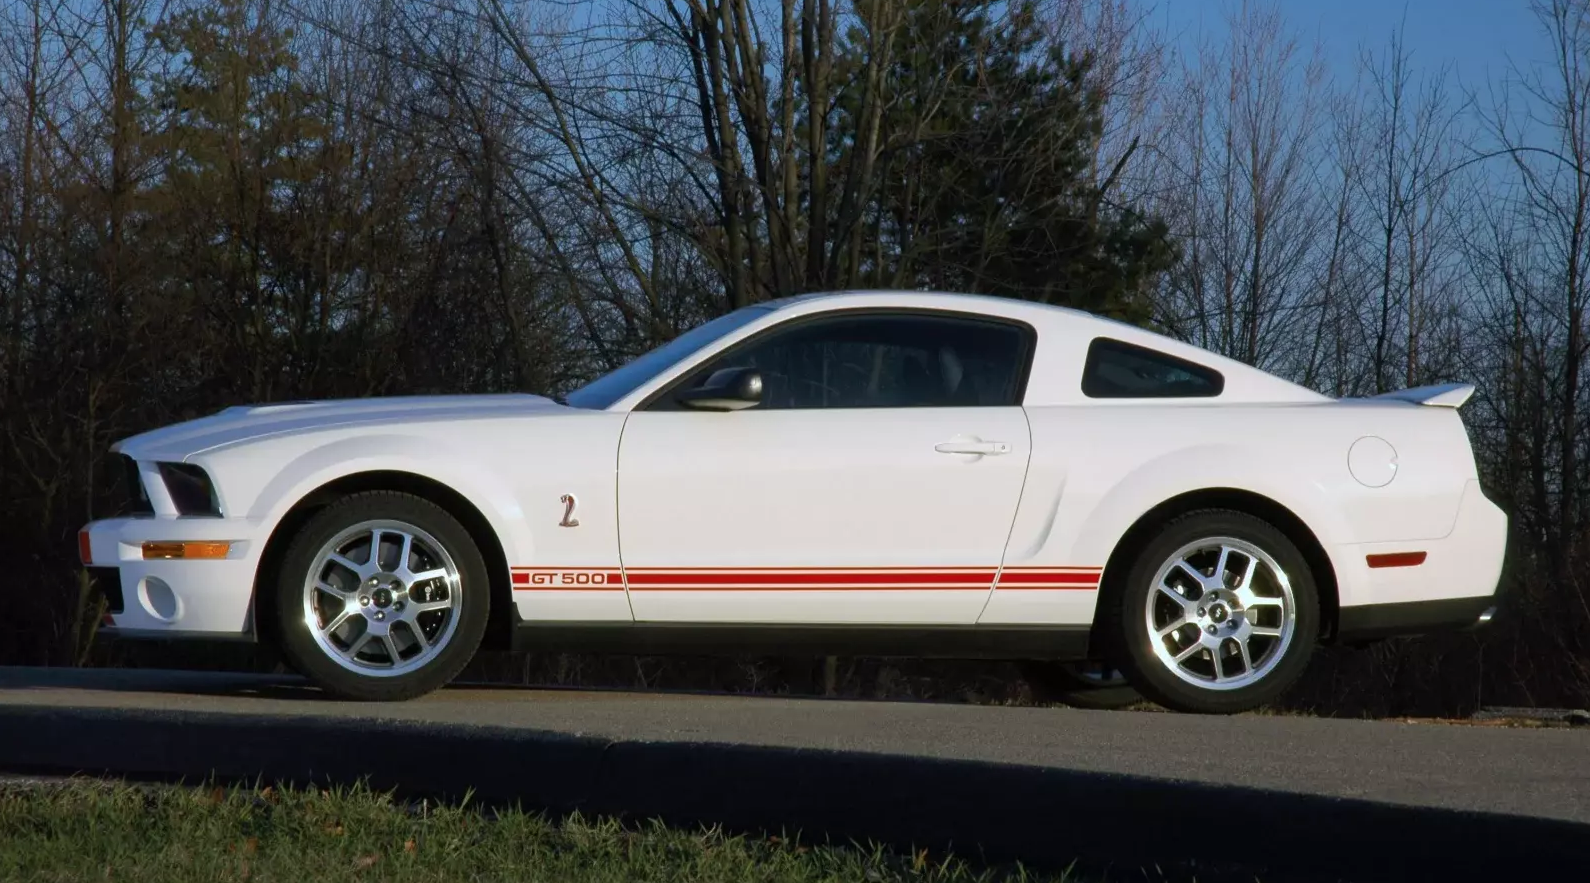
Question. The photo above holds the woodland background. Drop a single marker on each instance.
(213, 203)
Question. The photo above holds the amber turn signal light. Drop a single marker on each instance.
(186, 550)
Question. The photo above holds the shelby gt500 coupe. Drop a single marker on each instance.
(873, 473)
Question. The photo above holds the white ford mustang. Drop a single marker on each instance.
(879, 473)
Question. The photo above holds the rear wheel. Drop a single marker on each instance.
(1095, 685)
(382, 596)
(1218, 615)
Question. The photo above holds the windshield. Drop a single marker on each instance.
(614, 385)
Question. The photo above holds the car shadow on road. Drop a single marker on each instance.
(993, 812)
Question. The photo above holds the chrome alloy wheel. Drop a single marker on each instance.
(1221, 613)
(382, 598)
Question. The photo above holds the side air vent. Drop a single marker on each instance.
(190, 489)
(128, 495)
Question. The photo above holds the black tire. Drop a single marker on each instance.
(298, 636)
(1080, 685)
(1126, 619)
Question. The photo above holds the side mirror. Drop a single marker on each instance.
(730, 389)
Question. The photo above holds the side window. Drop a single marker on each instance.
(1119, 370)
(881, 360)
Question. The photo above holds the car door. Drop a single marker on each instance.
(874, 482)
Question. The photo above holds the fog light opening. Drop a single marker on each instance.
(158, 600)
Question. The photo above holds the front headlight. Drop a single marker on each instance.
(190, 489)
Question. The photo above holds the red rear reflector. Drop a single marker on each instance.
(186, 550)
(1397, 559)
(85, 549)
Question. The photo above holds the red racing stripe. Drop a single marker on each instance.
(567, 579)
(643, 578)
(635, 570)
(902, 587)
(804, 579)
(1048, 576)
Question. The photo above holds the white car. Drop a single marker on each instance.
(871, 473)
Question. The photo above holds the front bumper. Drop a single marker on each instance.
(1454, 587)
(174, 598)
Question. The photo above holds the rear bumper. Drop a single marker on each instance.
(174, 598)
(1453, 586)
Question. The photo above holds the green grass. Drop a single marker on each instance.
(91, 830)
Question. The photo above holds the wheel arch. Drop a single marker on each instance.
(499, 626)
(1237, 499)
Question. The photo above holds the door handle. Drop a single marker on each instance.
(972, 447)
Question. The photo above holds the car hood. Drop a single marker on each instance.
(180, 441)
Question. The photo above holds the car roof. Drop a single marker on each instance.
(1244, 381)
(976, 303)
(1033, 312)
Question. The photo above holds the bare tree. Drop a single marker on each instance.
(1407, 192)
(1529, 258)
(1246, 208)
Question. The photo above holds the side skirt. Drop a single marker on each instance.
(736, 639)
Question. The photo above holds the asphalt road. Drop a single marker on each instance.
(1355, 797)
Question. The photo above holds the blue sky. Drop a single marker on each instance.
(1479, 38)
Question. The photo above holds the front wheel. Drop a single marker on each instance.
(1218, 615)
(382, 596)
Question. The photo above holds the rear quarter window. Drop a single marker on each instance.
(1119, 370)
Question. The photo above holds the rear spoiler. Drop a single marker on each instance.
(1442, 395)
